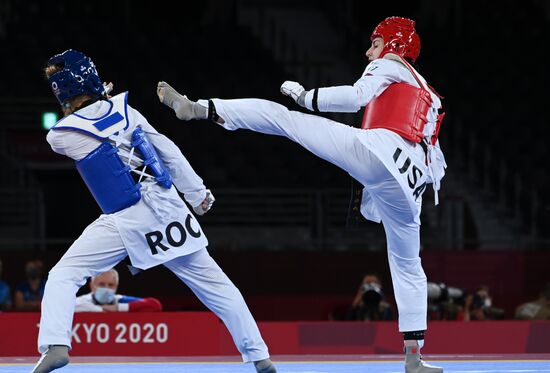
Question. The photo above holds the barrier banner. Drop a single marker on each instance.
(203, 334)
(120, 334)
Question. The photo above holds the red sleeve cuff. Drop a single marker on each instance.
(145, 305)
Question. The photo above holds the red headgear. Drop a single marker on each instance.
(399, 36)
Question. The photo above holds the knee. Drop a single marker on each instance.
(233, 304)
(266, 106)
(410, 267)
(272, 106)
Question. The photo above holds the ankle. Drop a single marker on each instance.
(413, 341)
(262, 364)
(412, 347)
(59, 347)
(199, 111)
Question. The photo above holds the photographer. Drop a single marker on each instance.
(538, 309)
(369, 303)
(445, 302)
(479, 306)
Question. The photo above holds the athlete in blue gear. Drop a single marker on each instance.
(145, 219)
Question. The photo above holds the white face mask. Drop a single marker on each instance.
(104, 295)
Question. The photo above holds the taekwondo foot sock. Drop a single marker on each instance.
(265, 366)
(56, 357)
(185, 108)
(415, 364)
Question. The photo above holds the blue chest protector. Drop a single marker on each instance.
(108, 178)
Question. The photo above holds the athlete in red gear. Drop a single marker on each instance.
(394, 156)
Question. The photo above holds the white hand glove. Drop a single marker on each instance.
(294, 90)
(206, 204)
(107, 89)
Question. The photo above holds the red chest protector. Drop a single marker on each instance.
(403, 109)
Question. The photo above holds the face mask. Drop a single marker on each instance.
(488, 302)
(104, 295)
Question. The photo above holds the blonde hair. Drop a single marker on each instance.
(71, 105)
(52, 69)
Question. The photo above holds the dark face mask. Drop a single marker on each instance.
(33, 273)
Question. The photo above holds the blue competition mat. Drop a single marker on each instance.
(294, 367)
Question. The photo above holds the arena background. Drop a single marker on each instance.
(278, 227)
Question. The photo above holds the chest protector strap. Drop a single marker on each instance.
(401, 108)
(109, 179)
(151, 158)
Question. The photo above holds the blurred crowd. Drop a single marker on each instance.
(371, 301)
(27, 294)
(103, 297)
(444, 303)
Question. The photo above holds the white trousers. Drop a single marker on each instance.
(100, 248)
(339, 144)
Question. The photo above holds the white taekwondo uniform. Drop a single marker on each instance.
(113, 236)
(371, 157)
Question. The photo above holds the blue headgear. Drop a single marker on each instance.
(77, 77)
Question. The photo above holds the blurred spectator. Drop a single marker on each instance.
(445, 302)
(479, 306)
(5, 293)
(536, 310)
(28, 294)
(370, 303)
(103, 297)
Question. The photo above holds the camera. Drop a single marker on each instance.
(372, 294)
(442, 293)
(444, 302)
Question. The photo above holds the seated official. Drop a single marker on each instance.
(103, 297)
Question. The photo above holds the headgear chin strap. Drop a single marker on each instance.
(399, 36)
(78, 76)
